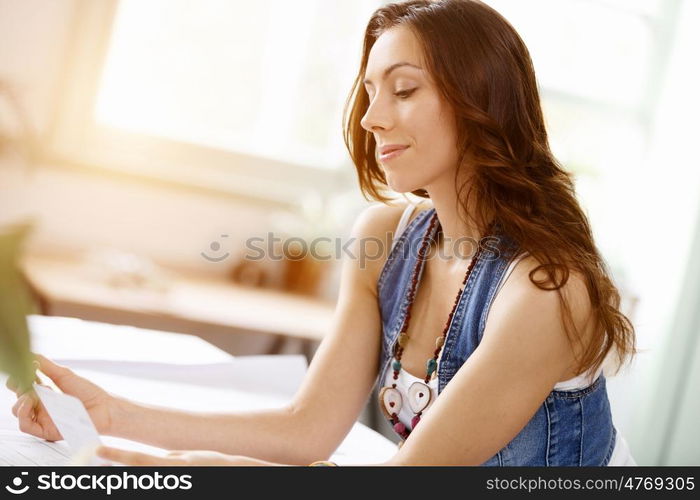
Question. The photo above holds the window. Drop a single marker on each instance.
(267, 78)
(247, 97)
(228, 94)
(599, 65)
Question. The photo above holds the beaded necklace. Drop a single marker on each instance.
(419, 393)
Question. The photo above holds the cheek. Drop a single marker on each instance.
(435, 135)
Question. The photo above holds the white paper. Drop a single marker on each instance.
(171, 370)
(17, 448)
(73, 422)
(71, 338)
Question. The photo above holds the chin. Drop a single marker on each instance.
(399, 186)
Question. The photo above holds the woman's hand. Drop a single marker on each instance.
(177, 458)
(33, 417)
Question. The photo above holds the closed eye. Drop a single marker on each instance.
(403, 94)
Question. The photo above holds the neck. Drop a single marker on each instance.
(459, 234)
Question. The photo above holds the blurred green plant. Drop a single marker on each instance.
(18, 144)
(15, 304)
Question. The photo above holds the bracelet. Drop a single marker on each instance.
(323, 463)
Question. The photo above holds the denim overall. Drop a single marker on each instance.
(570, 428)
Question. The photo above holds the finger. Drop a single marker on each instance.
(53, 370)
(20, 401)
(25, 406)
(37, 367)
(131, 457)
(26, 423)
(12, 384)
(25, 398)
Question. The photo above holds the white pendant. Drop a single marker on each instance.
(390, 400)
(419, 396)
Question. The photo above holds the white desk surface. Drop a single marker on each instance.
(167, 369)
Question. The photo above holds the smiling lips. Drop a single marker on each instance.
(391, 151)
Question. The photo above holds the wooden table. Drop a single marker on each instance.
(190, 304)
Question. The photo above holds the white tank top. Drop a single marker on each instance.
(621, 454)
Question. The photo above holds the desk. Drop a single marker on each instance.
(174, 370)
(191, 304)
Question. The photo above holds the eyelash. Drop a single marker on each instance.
(404, 94)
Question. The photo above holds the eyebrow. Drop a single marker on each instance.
(390, 69)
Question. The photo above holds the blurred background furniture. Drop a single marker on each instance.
(212, 308)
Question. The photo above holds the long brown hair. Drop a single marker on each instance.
(483, 69)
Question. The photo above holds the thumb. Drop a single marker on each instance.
(53, 370)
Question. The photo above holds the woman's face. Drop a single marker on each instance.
(406, 109)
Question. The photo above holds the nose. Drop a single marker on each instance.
(376, 117)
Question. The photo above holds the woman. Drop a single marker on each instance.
(511, 336)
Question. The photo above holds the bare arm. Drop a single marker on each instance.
(310, 428)
(327, 404)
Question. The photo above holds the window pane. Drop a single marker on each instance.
(267, 77)
(605, 151)
(591, 141)
(584, 48)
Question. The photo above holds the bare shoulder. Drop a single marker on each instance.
(522, 304)
(381, 216)
(520, 286)
(373, 231)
